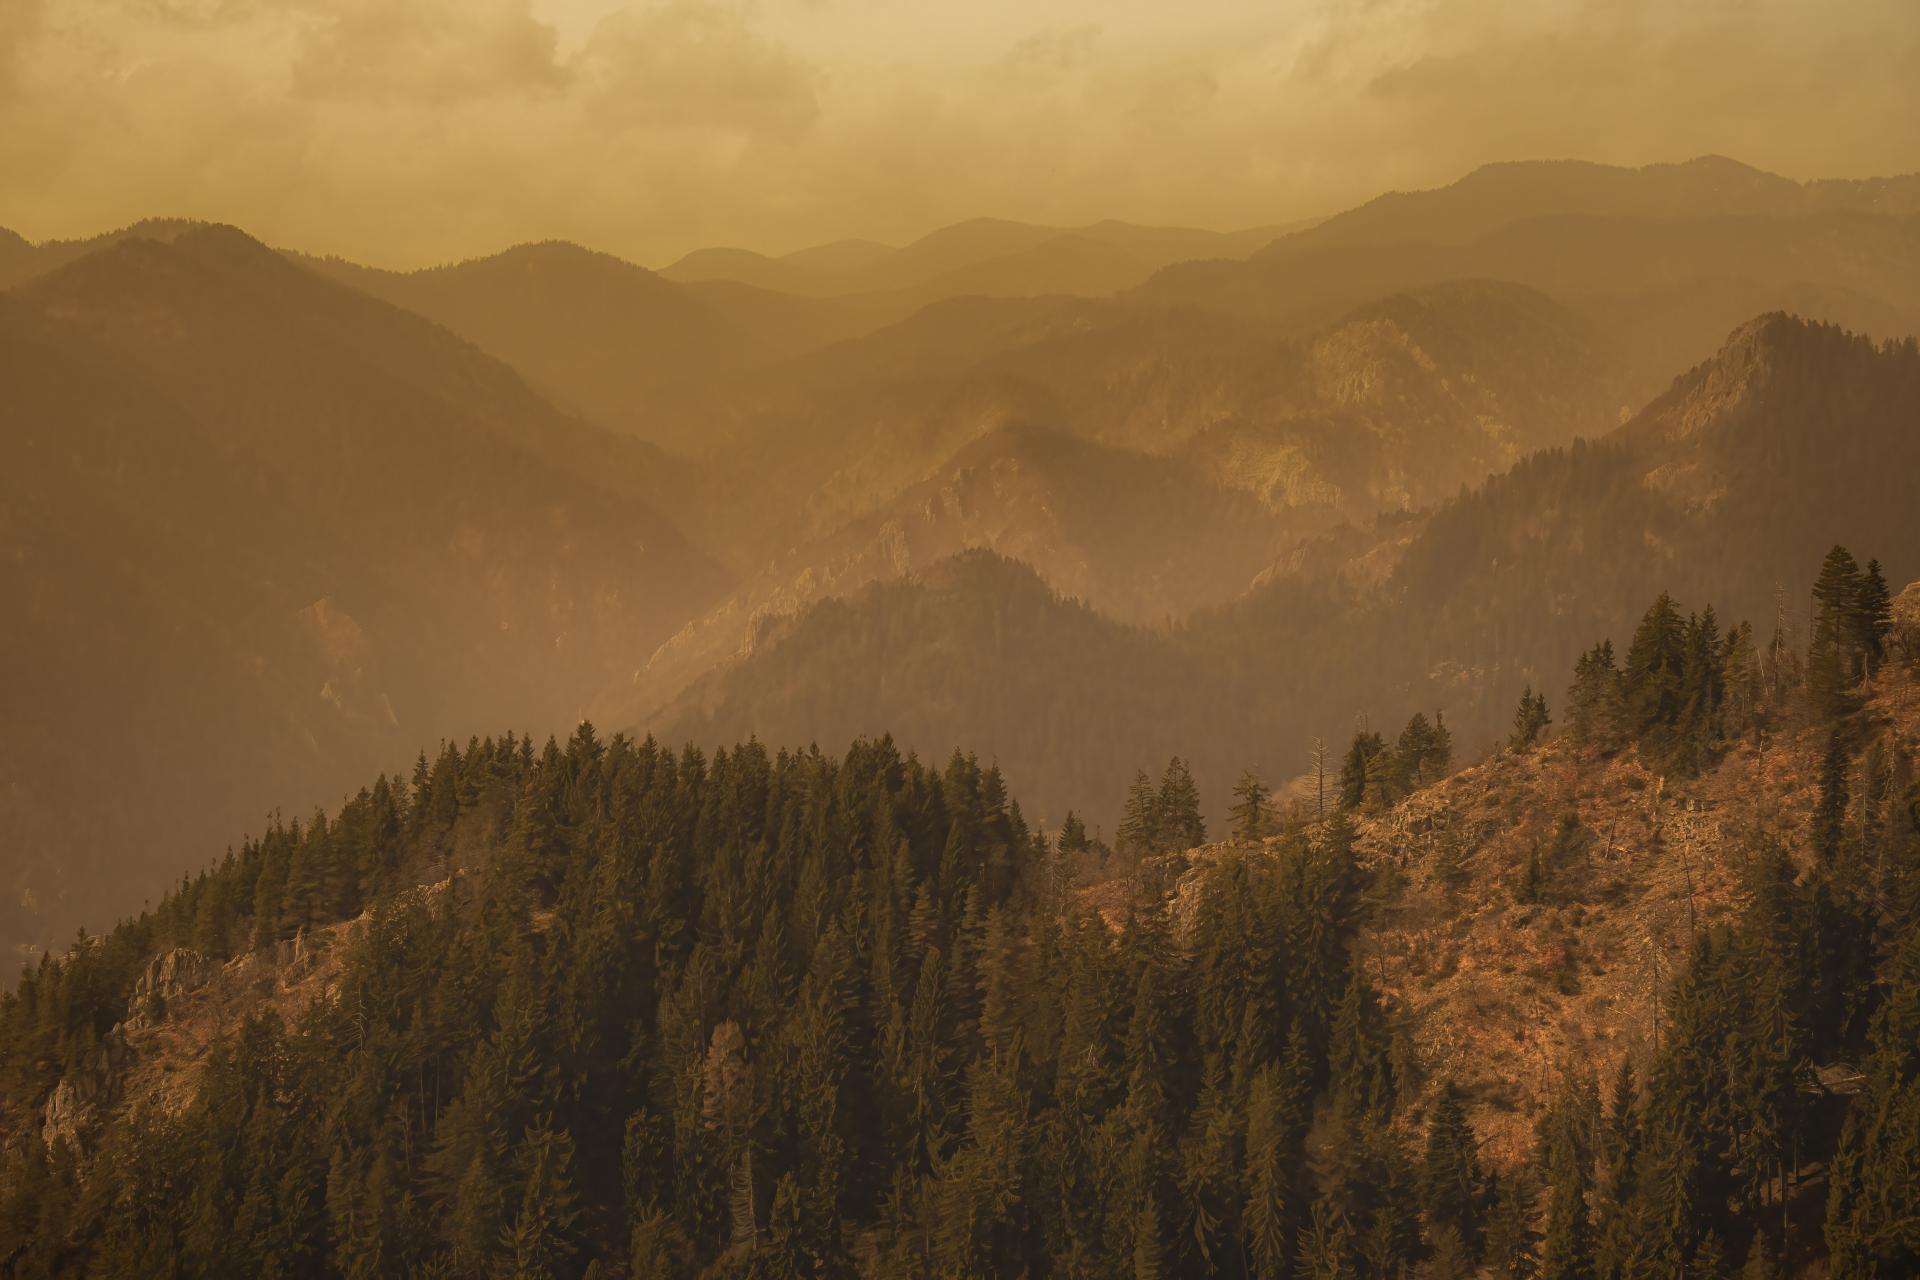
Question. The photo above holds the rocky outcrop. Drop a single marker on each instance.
(1906, 620)
(168, 976)
(76, 1102)
(175, 973)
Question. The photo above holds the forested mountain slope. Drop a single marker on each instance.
(1402, 401)
(1870, 262)
(981, 255)
(1733, 483)
(1141, 540)
(596, 334)
(1637, 999)
(264, 534)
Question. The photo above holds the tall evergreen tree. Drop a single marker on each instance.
(1178, 808)
(1139, 832)
(1450, 1170)
(1249, 812)
(1837, 656)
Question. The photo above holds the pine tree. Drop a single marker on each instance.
(1178, 808)
(1836, 659)
(1741, 681)
(1139, 832)
(1530, 720)
(1326, 1249)
(1440, 751)
(981, 1188)
(540, 1241)
(1830, 814)
(1412, 751)
(1874, 614)
(1701, 694)
(787, 1255)
(1249, 811)
(1651, 683)
(1357, 765)
(1276, 1125)
(1566, 1252)
(1512, 1244)
(1450, 1169)
(1357, 1063)
(1594, 699)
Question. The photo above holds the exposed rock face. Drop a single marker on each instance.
(67, 1116)
(76, 1101)
(168, 975)
(178, 971)
(1906, 620)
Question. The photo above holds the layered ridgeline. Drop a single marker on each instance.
(1635, 998)
(338, 527)
(260, 535)
(1734, 482)
(1186, 453)
(1676, 243)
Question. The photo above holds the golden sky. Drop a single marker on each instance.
(412, 131)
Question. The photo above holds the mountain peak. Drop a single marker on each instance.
(209, 239)
(1780, 339)
(1771, 361)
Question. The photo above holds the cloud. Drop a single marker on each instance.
(196, 14)
(411, 131)
(20, 25)
(1631, 82)
(426, 51)
(698, 66)
(1051, 52)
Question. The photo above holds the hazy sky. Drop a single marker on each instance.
(409, 131)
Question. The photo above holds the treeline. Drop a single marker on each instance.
(786, 1015)
(1685, 687)
(777, 1014)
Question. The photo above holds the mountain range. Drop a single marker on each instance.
(1735, 480)
(1079, 498)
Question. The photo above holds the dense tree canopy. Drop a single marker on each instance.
(604, 1008)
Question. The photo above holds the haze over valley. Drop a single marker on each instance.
(550, 484)
(604, 681)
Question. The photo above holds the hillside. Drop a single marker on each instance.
(1869, 262)
(1439, 1026)
(1399, 402)
(1138, 539)
(1639, 862)
(1795, 435)
(268, 535)
(596, 334)
(981, 254)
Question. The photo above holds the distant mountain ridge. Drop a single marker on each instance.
(595, 331)
(265, 533)
(1249, 468)
(1495, 195)
(980, 248)
(1793, 437)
